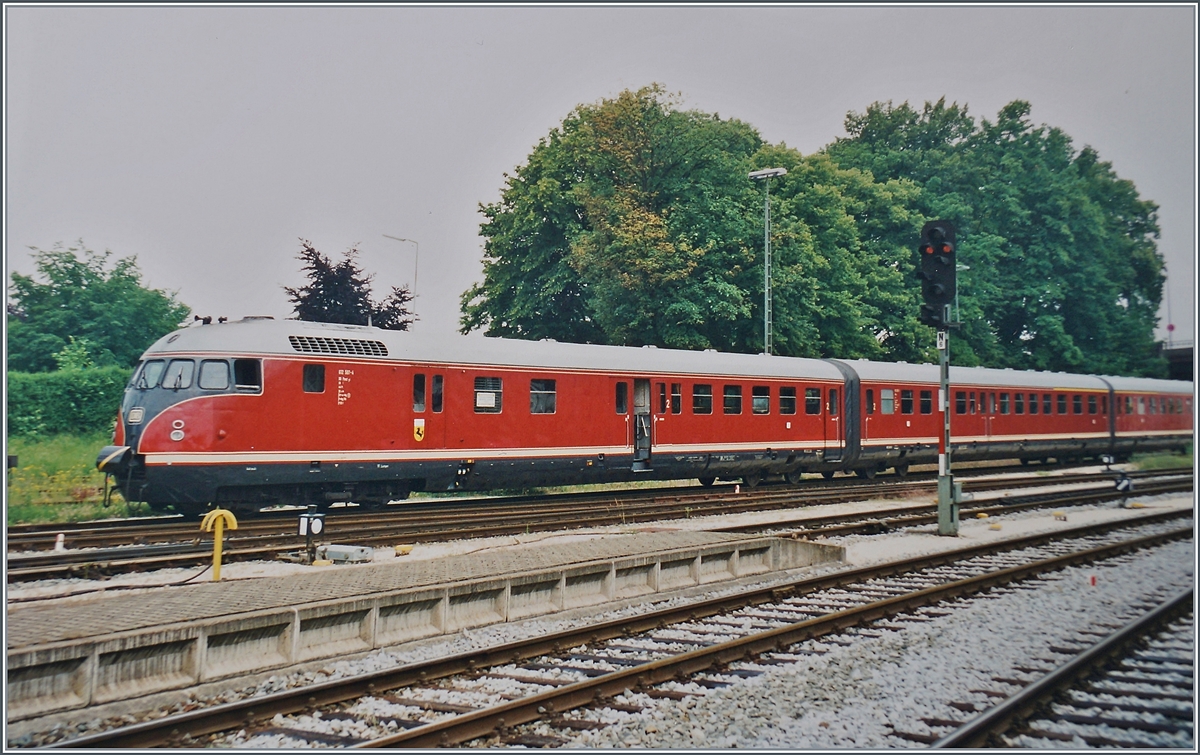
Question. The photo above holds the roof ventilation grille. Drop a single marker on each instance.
(324, 345)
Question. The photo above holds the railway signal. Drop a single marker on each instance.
(938, 274)
(939, 280)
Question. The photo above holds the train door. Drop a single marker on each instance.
(835, 435)
(641, 425)
(987, 407)
(868, 412)
(428, 401)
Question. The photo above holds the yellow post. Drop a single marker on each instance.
(218, 518)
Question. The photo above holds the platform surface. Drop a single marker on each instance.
(40, 624)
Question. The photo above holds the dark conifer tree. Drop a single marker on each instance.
(341, 293)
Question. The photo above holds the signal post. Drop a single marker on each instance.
(939, 280)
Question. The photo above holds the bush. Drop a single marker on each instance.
(66, 401)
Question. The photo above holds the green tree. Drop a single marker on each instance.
(1064, 270)
(80, 307)
(341, 293)
(626, 225)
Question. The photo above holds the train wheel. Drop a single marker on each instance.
(793, 478)
(901, 470)
(752, 480)
(707, 481)
(867, 473)
(828, 474)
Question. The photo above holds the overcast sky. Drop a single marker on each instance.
(208, 140)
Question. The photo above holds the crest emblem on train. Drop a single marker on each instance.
(419, 429)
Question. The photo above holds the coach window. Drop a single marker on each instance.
(906, 402)
(1018, 403)
(812, 400)
(760, 399)
(1104, 404)
(733, 399)
(622, 398)
(214, 374)
(1077, 404)
(1062, 404)
(1092, 404)
(542, 396)
(960, 402)
(489, 395)
(1004, 403)
(870, 401)
(662, 398)
(247, 375)
(993, 403)
(833, 402)
(701, 399)
(1047, 403)
(419, 392)
(314, 378)
(1033, 403)
(887, 401)
(1129, 404)
(787, 400)
(1141, 404)
(437, 394)
(1153, 408)
(971, 403)
(926, 402)
(676, 398)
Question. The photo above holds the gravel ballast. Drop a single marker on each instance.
(828, 698)
(855, 695)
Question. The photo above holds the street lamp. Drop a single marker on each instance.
(416, 258)
(765, 175)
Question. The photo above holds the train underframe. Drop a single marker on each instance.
(193, 489)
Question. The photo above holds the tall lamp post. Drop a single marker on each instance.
(416, 258)
(765, 175)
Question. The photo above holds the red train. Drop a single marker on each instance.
(262, 411)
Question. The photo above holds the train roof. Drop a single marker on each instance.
(295, 337)
(258, 336)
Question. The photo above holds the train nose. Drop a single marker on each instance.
(114, 459)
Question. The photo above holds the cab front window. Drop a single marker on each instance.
(178, 374)
(150, 374)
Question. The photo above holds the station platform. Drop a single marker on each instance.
(65, 655)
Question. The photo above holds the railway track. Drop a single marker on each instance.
(431, 523)
(1133, 688)
(150, 530)
(673, 652)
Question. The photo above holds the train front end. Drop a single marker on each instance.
(169, 417)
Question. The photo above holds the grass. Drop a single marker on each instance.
(1164, 460)
(56, 481)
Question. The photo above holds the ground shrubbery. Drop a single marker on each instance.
(66, 401)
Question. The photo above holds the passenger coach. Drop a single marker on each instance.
(260, 412)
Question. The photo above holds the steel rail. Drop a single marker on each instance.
(91, 534)
(431, 516)
(244, 712)
(479, 723)
(132, 558)
(980, 731)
